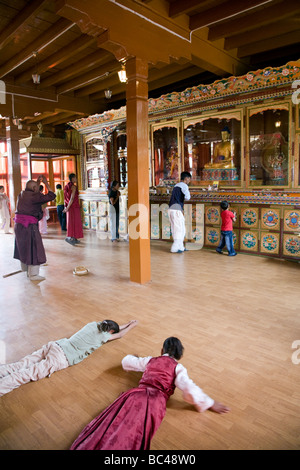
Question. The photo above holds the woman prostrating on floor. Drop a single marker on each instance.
(60, 354)
(131, 421)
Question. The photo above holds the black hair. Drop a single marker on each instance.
(107, 325)
(58, 186)
(114, 183)
(71, 175)
(224, 205)
(41, 187)
(185, 174)
(1, 187)
(173, 347)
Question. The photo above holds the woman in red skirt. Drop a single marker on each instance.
(72, 209)
(131, 421)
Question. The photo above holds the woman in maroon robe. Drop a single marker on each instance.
(29, 248)
(72, 209)
(131, 421)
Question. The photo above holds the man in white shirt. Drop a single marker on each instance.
(180, 194)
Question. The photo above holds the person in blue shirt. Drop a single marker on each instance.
(180, 194)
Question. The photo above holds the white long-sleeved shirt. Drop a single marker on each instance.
(191, 392)
(179, 194)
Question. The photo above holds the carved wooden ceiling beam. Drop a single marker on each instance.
(223, 12)
(52, 33)
(10, 30)
(89, 62)
(251, 21)
(57, 58)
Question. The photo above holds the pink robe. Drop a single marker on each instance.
(131, 421)
(74, 223)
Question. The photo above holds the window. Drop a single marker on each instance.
(56, 170)
(62, 167)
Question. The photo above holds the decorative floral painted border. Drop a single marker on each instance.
(252, 81)
(217, 197)
(259, 79)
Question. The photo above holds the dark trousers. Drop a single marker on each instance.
(61, 216)
(226, 239)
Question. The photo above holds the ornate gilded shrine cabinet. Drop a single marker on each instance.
(239, 138)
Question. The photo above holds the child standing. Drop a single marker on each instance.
(226, 230)
(180, 194)
(131, 421)
(60, 205)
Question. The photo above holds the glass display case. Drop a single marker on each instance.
(166, 164)
(269, 146)
(96, 166)
(212, 149)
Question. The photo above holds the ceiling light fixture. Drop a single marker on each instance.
(35, 76)
(122, 74)
(108, 94)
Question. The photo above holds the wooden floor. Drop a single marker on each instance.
(237, 319)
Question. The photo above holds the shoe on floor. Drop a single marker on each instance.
(220, 252)
(37, 278)
(70, 240)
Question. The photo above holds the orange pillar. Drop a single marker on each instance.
(138, 170)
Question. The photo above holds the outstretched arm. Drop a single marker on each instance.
(194, 395)
(124, 329)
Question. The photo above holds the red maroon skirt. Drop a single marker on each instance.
(129, 423)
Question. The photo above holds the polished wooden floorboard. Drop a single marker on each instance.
(237, 319)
